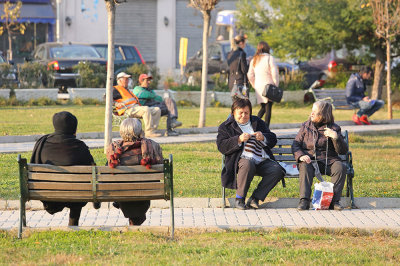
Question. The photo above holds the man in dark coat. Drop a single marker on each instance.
(64, 149)
(237, 72)
(246, 143)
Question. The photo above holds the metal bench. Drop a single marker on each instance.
(283, 153)
(337, 97)
(94, 184)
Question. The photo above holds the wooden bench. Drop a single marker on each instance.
(94, 184)
(283, 153)
(336, 97)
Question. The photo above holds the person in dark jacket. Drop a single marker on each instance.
(316, 149)
(237, 72)
(246, 143)
(355, 95)
(64, 149)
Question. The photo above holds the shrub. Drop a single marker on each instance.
(339, 79)
(86, 101)
(91, 75)
(292, 81)
(185, 87)
(220, 82)
(35, 75)
(7, 71)
(136, 69)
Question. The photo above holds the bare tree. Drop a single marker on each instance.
(10, 17)
(387, 20)
(110, 5)
(205, 7)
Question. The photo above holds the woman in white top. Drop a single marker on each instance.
(263, 71)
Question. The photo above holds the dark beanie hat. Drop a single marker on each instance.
(65, 123)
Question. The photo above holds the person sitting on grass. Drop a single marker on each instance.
(133, 149)
(64, 149)
(148, 97)
(355, 95)
(316, 149)
(246, 142)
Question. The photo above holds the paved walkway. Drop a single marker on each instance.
(218, 217)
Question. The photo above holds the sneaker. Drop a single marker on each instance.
(152, 134)
(96, 205)
(335, 206)
(252, 203)
(171, 133)
(364, 119)
(175, 123)
(304, 204)
(356, 119)
(239, 204)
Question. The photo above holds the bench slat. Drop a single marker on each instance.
(284, 142)
(87, 169)
(281, 150)
(59, 195)
(284, 158)
(60, 177)
(88, 187)
(130, 177)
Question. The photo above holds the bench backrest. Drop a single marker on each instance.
(94, 183)
(336, 96)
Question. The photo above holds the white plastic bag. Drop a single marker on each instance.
(291, 169)
(323, 194)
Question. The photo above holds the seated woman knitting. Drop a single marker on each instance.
(133, 149)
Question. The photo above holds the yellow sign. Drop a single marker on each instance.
(183, 51)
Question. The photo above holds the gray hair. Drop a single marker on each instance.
(130, 129)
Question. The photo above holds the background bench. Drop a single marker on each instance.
(94, 184)
(336, 97)
(283, 153)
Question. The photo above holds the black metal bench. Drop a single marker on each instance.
(283, 153)
(94, 184)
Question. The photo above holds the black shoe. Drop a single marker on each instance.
(171, 133)
(252, 203)
(175, 123)
(239, 204)
(304, 204)
(116, 205)
(96, 205)
(335, 206)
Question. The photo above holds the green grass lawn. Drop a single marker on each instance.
(320, 247)
(197, 168)
(38, 120)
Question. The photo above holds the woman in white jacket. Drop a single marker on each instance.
(263, 71)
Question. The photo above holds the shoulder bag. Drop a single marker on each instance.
(273, 92)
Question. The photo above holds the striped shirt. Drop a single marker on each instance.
(253, 149)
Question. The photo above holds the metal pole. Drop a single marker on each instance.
(58, 21)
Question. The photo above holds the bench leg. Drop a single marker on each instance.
(22, 217)
(172, 214)
(350, 191)
(223, 198)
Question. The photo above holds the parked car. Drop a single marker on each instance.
(327, 65)
(11, 77)
(62, 57)
(217, 60)
(125, 55)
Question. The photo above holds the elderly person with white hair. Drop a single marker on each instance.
(133, 149)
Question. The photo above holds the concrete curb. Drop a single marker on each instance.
(194, 130)
(270, 203)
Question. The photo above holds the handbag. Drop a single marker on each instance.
(273, 93)
(240, 91)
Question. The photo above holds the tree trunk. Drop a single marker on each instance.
(204, 71)
(378, 76)
(110, 5)
(10, 53)
(388, 80)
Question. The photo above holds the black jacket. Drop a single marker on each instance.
(233, 60)
(227, 143)
(310, 139)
